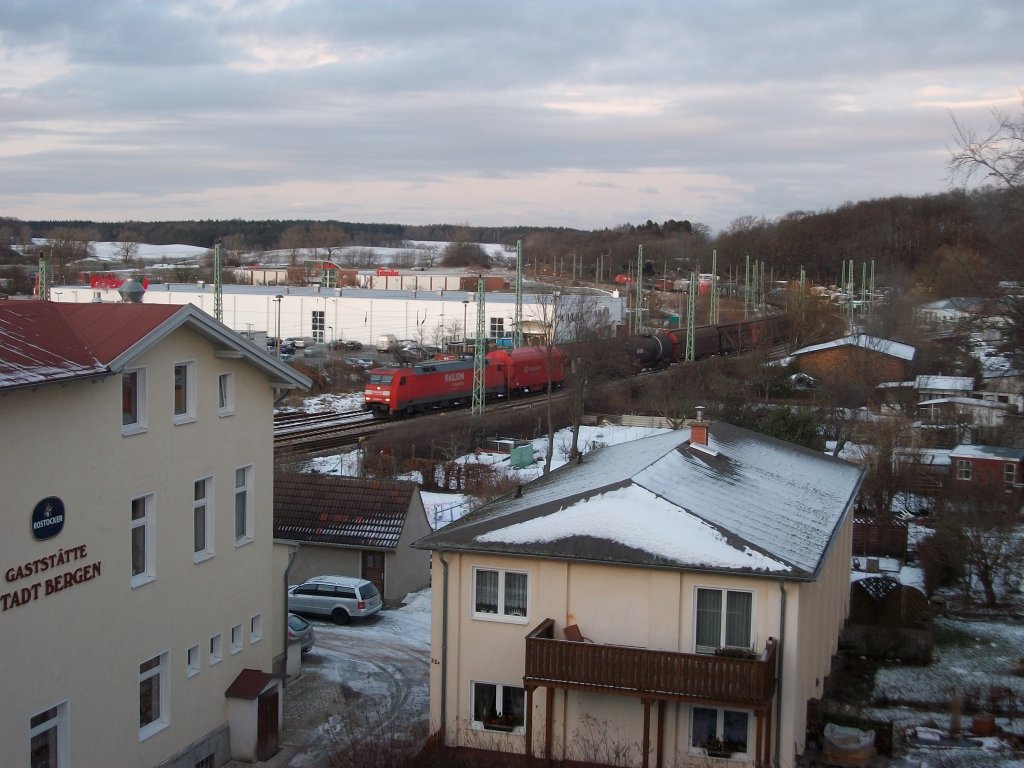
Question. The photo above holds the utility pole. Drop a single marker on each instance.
(480, 351)
(639, 293)
(43, 279)
(517, 339)
(691, 318)
(714, 287)
(218, 284)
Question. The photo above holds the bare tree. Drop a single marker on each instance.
(997, 154)
(128, 245)
(66, 245)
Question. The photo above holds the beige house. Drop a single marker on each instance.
(665, 600)
(142, 605)
(353, 526)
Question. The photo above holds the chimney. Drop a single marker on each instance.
(699, 428)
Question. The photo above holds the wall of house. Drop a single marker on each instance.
(81, 646)
(407, 569)
(316, 560)
(650, 608)
(852, 363)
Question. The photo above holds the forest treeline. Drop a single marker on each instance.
(954, 243)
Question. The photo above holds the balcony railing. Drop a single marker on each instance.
(643, 672)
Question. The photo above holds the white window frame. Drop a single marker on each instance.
(226, 394)
(499, 700)
(192, 663)
(141, 423)
(496, 327)
(236, 639)
(1009, 474)
(318, 322)
(963, 469)
(723, 617)
(720, 726)
(58, 719)
(147, 522)
(216, 648)
(187, 413)
(243, 494)
(256, 628)
(160, 671)
(206, 504)
(501, 613)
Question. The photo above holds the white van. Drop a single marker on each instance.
(386, 342)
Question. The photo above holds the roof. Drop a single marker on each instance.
(960, 383)
(987, 452)
(745, 503)
(341, 511)
(872, 343)
(967, 402)
(249, 684)
(46, 343)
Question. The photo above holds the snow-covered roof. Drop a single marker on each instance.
(873, 343)
(745, 503)
(967, 402)
(987, 452)
(43, 342)
(956, 383)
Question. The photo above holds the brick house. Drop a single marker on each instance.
(859, 358)
(989, 466)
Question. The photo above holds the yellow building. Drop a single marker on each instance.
(141, 609)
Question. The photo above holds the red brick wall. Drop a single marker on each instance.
(853, 363)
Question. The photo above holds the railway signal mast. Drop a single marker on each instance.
(480, 351)
(517, 338)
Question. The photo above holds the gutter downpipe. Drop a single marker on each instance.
(444, 649)
(293, 552)
(778, 688)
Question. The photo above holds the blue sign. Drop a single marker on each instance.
(504, 343)
(48, 518)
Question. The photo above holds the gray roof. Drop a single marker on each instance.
(774, 505)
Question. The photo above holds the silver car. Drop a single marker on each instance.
(340, 597)
(301, 631)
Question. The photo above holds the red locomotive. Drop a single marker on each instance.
(445, 383)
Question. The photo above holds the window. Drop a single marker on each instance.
(133, 401)
(226, 394)
(154, 705)
(184, 392)
(216, 649)
(498, 707)
(207, 762)
(48, 737)
(497, 327)
(236, 638)
(721, 732)
(963, 469)
(718, 628)
(192, 661)
(143, 566)
(1010, 474)
(499, 593)
(202, 519)
(256, 628)
(243, 505)
(318, 326)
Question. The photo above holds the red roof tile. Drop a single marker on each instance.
(249, 684)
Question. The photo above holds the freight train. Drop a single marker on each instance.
(444, 383)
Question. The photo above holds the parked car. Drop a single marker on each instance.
(354, 346)
(365, 363)
(300, 631)
(339, 597)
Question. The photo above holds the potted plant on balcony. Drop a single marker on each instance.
(732, 652)
(716, 747)
(496, 722)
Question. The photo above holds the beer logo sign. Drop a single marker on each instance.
(48, 518)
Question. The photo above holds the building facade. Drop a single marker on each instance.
(140, 578)
(666, 600)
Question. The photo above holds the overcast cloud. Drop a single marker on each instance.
(581, 114)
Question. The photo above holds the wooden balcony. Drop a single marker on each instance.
(647, 673)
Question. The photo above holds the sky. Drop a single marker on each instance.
(572, 113)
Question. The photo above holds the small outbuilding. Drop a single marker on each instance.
(353, 526)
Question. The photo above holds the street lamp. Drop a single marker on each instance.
(465, 330)
(277, 343)
(57, 294)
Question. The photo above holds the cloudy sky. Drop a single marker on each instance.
(581, 113)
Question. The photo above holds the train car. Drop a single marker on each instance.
(525, 369)
(657, 350)
(428, 385)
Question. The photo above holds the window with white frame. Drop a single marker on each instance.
(719, 732)
(202, 519)
(318, 325)
(498, 707)
(48, 737)
(154, 696)
(497, 327)
(963, 469)
(236, 638)
(723, 619)
(226, 394)
(216, 648)
(143, 535)
(499, 594)
(192, 661)
(243, 505)
(256, 628)
(1010, 474)
(133, 401)
(184, 392)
